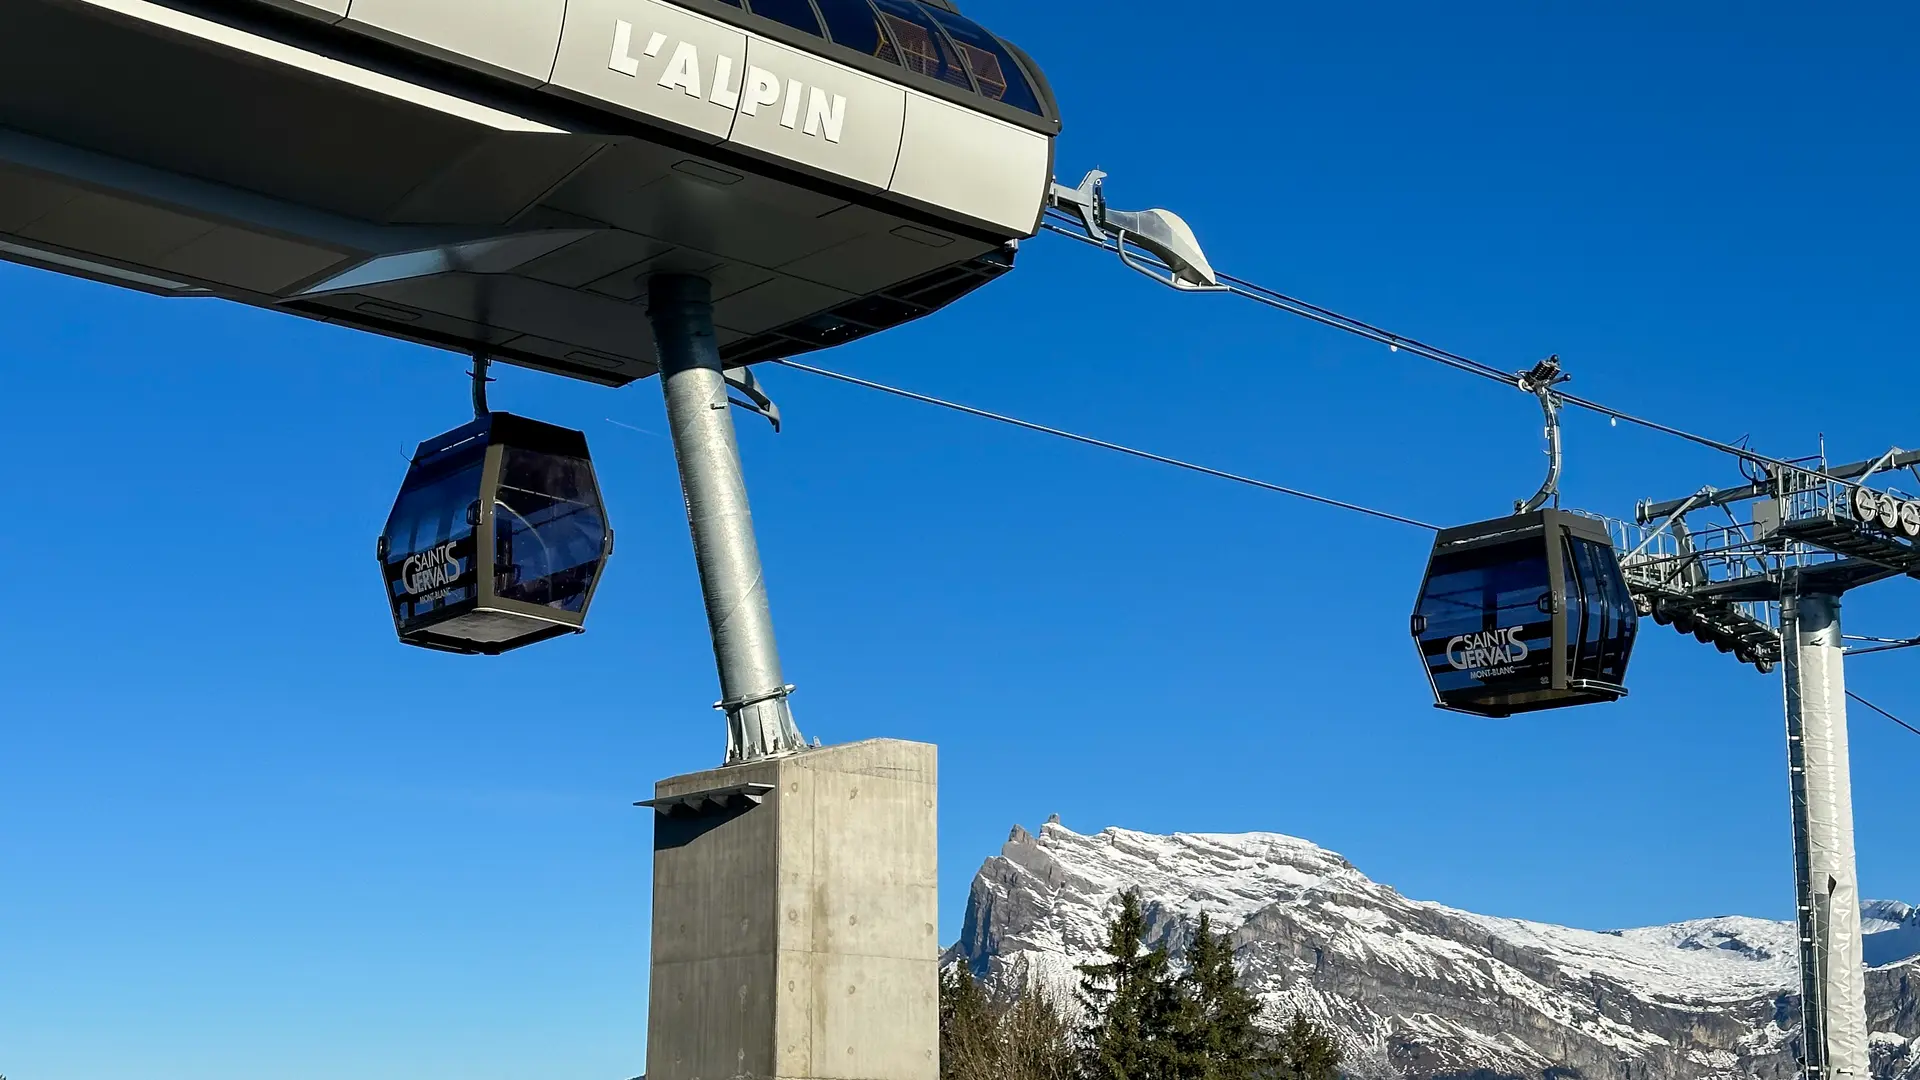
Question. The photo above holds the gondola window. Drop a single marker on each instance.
(795, 13)
(430, 540)
(855, 25)
(994, 68)
(1487, 619)
(923, 46)
(549, 530)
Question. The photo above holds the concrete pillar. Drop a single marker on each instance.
(794, 915)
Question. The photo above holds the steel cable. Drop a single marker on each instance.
(1273, 298)
(1103, 444)
(1883, 712)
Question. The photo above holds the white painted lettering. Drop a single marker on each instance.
(724, 94)
(622, 59)
(1481, 652)
(790, 116)
(762, 88)
(683, 71)
(434, 568)
(826, 114)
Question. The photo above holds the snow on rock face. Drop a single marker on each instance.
(1419, 990)
(1892, 931)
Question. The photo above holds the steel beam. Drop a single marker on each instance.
(1827, 897)
(753, 691)
(1650, 512)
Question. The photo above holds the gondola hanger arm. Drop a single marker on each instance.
(1540, 381)
(481, 361)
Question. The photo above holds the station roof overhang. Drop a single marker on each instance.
(282, 161)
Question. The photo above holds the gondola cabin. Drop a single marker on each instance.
(1525, 613)
(497, 538)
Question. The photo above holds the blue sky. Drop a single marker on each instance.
(244, 833)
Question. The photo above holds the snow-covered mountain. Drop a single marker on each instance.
(1419, 990)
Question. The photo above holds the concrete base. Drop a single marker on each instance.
(794, 913)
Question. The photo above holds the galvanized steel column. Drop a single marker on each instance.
(1832, 968)
(753, 692)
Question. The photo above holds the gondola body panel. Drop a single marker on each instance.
(511, 39)
(1524, 613)
(810, 126)
(508, 173)
(940, 156)
(497, 539)
(600, 63)
(330, 11)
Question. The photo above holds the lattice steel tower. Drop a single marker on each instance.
(1768, 591)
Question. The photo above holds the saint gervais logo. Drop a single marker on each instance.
(434, 568)
(1489, 653)
(826, 114)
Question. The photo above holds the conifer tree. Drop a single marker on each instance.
(1144, 1024)
(1302, 1051)
(1218, 1036)
(1130, 1004)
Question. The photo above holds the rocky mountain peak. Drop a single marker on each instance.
(1416, 989)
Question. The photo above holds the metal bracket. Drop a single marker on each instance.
(1678, 515)
(700, 802)
(1087, 201)
(755, 699)
(1160, 233)
(1859, 485)
(758, 403)
(1879, 463)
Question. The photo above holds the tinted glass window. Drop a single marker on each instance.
(1599, 613)
(795, 13)
(1484, 623)
(1580, 617)
(856, 25)
(429, 536)
(923, 48)
(1607, 583)
(548, 528)
(1623, 618)
(1626, 628)
(992, 66)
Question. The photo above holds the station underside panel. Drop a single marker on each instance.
(297, 164)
